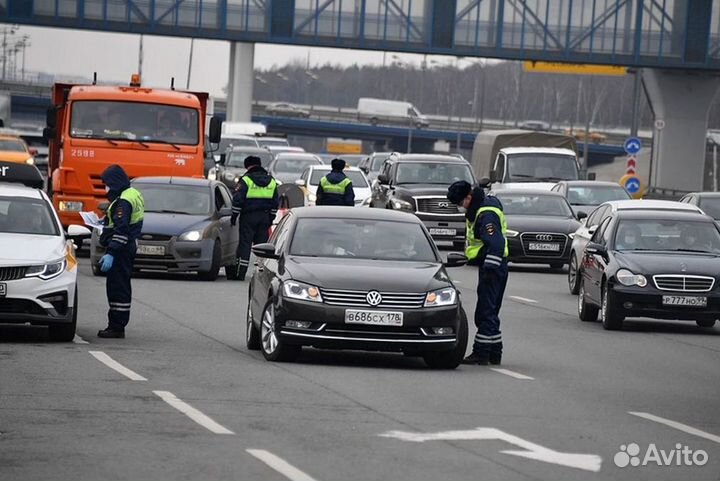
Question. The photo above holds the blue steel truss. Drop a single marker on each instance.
(638, 33)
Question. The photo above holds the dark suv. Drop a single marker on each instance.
(418, 183)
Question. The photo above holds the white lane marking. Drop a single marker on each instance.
(113, 364)
(79, 340)
(679, 426)
(280, 465)
(586, 462)
(197, 416)
(523, 299)
(510, 373)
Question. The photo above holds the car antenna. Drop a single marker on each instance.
(172, 83)
(94, 78)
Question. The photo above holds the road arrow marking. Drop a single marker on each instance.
(586, 462)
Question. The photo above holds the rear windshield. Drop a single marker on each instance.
(595, 195)
(355, 176)
(294, 164)
(20, 215)
(11, 145)
(711, 206)
(534, 204)
(236, 158)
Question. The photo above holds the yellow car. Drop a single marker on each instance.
(14, 149)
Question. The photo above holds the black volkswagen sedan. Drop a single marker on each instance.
(362, 279)
(541, 225)
(231, 166)
(659, 264)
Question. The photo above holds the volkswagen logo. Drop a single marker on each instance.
(443, 205)
(544, 237)
(373, 298)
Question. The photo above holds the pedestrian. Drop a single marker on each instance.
(335, 188)
(123, 224)
(255, 202)
(487, 248)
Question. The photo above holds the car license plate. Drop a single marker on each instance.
(3, 289)
(540, 246)
(688, 301)
(443, 231)
(376, 318)
(151, 250)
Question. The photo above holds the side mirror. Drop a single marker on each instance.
(592, 229)
(580, 215)
(300, 182)
(103, 206)
(222, 159)
(591, 176)
(493, 176)
(596, 249)
(455, 260)
(51, 117)
(49, 133)
(266, 251)
(78, 231)
(215, 130)
(225, 212)
(383, 179)
(484, 182)
(365, 169)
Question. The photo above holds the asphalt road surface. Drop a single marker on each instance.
(181, 398)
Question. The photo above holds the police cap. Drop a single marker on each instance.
(252, 161)
(458, 191)
(337, 164)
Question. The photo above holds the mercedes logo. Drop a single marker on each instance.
(683, 267)
(544, 237)
(443, 205)
(373, 298)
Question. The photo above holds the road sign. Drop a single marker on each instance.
(659, 124)
(631, 165)
(572, 68)
(632, 145)
(632, 184)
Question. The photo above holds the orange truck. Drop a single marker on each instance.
(147, 131)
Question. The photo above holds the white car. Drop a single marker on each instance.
(582, 235)
(38, 268)
(310, 179)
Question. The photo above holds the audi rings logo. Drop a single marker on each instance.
(373, 298)
(544, 237)
(443, 205)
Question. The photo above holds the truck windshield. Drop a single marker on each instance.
(94, 119)
(442, 173)
(541, 167)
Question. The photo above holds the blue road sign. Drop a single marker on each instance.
(632, 185)
(632, 145)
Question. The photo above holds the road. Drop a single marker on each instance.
(207, 408)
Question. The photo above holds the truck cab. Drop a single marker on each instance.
(543, 166)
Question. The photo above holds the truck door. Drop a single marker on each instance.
(500, 162)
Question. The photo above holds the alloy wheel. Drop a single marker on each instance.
(267, 330)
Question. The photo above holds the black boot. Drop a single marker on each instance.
(495, 358)
(475, 358)
(109, 333)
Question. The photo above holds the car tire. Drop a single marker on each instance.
(96, 270)
(573, 275)
(586, 312)
(451, 359)
(557, 265)
(231, 272)
(65, 332)
(212, 274)
(705, 323)
(273, 349)
(612, 318)
(252, 335)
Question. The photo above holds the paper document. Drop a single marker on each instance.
(91, 220)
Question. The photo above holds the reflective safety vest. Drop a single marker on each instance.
(135, 198)
(473, 245)
(257, 192)
(330, 188)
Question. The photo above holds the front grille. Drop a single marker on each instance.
(545, 238)
(436, 205)
(683, 283)
(12, 273)
(390, 300)
(19, 306)
(155, 237)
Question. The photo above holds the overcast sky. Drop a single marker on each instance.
(115, 56)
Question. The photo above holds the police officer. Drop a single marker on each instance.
(335, 188)
(255, 201)
(487, 248)
(123, 224)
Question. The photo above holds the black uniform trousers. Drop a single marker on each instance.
(254, 229)
(490, 291)
(118, 287)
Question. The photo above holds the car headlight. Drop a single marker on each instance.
(230, 176)
(627, 278)
(441, 297)
(192, 236)
(70, 206)
(401, 204)
(212, 175)
(301, 291)
(47, 271)
(30, 161)
(511, 233)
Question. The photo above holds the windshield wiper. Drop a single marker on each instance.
(691, 250)
(167, 211)
(551, 179)
(161, 141)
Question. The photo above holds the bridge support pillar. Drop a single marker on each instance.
(240, 85)
(681, 103)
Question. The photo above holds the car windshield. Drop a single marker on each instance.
(20, 215)
(378, 161)
(134, 121)
(534, 204)
(227, 142)
(236, 158)
(271, 141)
(595, 195)
(361, 239)
(294, 164)
(543, 167)
(11, 145)
(355, 176)
(667, 235)
(441, 173)
(175, 199)
(711, 206)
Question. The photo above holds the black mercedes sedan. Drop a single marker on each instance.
(361, 279)
(231, 166)
(541, 225)
(658, 264)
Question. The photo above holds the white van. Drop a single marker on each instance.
(390, 111)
